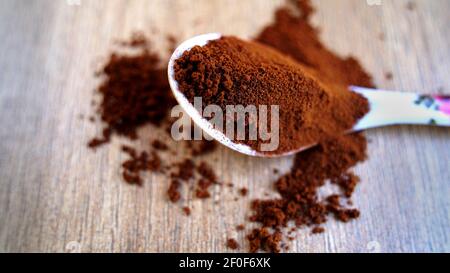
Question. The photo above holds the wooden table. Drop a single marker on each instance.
(57, 195)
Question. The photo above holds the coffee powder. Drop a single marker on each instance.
(232, 244)
(128, 78)
(292, 34)
(135, 92)
(229, 71)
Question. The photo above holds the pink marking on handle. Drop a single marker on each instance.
(443, 103)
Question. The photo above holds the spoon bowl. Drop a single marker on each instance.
(386, 107)
(207, 127)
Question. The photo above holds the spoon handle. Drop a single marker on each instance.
(391, 107)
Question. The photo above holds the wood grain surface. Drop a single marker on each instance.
(58, 196)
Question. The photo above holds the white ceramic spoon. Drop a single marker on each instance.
(386, 107)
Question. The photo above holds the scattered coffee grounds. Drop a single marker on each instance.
(263, 239)
(230, 71)
(185, 170)
(232, 244)
(173, 191)
(187, 211)
(240, 227)
(139, 163)
(205, 170)
(300, 202)
(199, 148)
(347, 181)
(243, 191)
(135, 92)
(209, 178)
(202, 188)
(159, 145)
(317, 230)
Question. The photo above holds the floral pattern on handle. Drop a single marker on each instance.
(393, 108)
(443, 103)
(439, 103)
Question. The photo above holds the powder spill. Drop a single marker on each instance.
(139, 163)
(331, 160)
(187, 211)
(135, 92)
(300, 202)
(243, 191)
(232, 244)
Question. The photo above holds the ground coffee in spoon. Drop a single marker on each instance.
(230, 71)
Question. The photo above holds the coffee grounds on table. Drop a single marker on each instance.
(300, 202)
(232, 244)
(243, 191)
(187, 211)
(229, 71)
(134, 93)
(293, 35)
(139, 163)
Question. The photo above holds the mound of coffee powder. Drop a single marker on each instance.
(229, 71)
(293, 35)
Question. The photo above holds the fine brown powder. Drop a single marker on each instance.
(292, 34)
(229, 71)
(134, 93)
(133, 88)
(232, 244)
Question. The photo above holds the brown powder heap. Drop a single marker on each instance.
(295, 36)
(230, 71)
(135, 92)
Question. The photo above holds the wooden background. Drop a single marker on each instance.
(57, 195)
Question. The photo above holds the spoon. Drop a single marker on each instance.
(386, 107)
